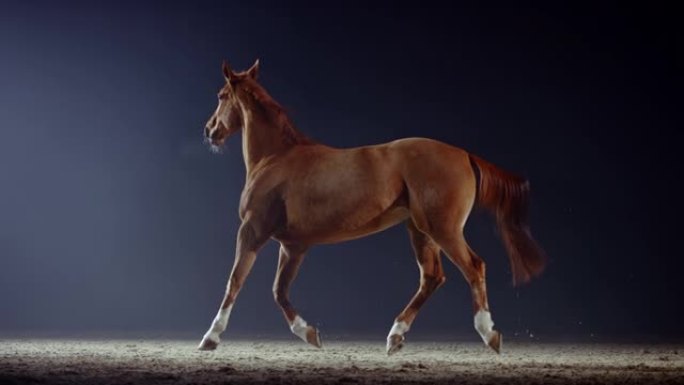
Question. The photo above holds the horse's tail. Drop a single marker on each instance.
(507, 197)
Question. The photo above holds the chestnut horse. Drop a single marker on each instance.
(301, 193)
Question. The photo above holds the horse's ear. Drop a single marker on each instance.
(227, 72)
(254, 71)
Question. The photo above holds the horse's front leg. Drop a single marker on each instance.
(251, 237)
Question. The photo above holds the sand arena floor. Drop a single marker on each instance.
(134, 361)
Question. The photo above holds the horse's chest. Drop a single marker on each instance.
(260, 200)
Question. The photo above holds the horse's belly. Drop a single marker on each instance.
(343, 194)
(333, 231)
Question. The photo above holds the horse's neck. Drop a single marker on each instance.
(261, 138)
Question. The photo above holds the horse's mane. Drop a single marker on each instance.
(289, 132)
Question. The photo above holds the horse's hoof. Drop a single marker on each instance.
(495, 342)
(313, 337)
(207, 345)
(394, 343)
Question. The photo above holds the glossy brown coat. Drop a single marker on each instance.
(301, 193)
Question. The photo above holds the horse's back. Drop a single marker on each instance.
(412, 147)
(429, 157)
(332, 194)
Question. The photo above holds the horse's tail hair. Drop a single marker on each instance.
(507, 197)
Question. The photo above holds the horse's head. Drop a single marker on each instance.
(227, 119)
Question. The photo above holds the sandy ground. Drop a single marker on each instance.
(67, 361)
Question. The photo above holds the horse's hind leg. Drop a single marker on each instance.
(473, 269)
(431, 277)
(288, 265)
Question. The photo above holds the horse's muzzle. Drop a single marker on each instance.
(216, 136)
(216, 133)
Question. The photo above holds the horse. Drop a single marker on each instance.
(300, 193)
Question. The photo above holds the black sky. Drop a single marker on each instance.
(114, 216)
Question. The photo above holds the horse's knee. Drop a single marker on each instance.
(432, 282)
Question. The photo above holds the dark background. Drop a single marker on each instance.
(115, 217)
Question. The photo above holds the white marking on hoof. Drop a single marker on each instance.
(212, 337)
(484, 325)
(399, 327)
(299, 328)
(395, 338)
(308, 334)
